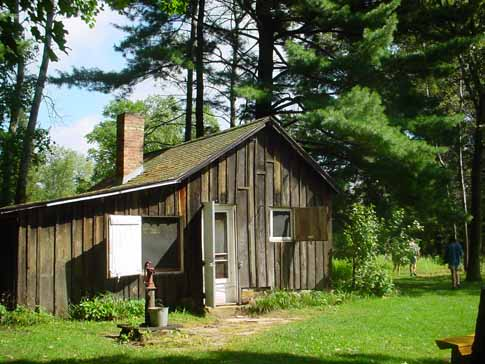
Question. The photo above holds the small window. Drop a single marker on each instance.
(281, 225)
(162, 243)
(135, 239)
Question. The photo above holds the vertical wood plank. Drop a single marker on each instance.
(285, 179)
(277, 177)
(270, 247)
(311, 256)
(288, 248)
(145, 202)
(260, 219)
(303, 244)
(295, 202)
(77, 255)
(213, 183)
(205, 185)
(99, 247)
(242, 218)
(62, 276)
(22, 261)
(222, 180)
(327, 247)
(193, 246)
(170, 202)
(134, 202)
(231, 178)
(88, 253)
(251, 214)
(32, 259)
(153, 198)
(46, 257)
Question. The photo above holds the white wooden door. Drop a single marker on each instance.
(225, 255)
(220, 273)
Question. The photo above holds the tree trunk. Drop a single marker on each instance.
(462, 178)
(234, 63)
(478, 348)
(473, 272)
(15, 110)
(265, 58)
(26, 159)
(190, 72)
(199, 69)
(463, 195)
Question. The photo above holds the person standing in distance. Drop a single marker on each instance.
(454, 253)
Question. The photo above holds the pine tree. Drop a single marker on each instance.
(452, 35)
(350, 117)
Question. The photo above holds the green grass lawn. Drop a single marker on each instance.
(399, 329)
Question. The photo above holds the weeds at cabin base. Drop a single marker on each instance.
(107, 307)
(284, 300)
(24, 316)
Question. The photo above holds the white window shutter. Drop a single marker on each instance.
(124, 246)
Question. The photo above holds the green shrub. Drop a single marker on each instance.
(24, 316)
(107, 307)
(372, 279)
(283, 300)
(361, 248)
(3, 313)
(341, 273)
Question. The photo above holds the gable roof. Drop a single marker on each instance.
(172, 165)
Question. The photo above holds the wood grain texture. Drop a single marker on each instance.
(222, 181)
(77, 257)
(270, 247)
(31, 245)
(251, 214)
(242, 219)
(231, 178)
(62, 275)
(22, 261)
(260, 210)
(46, 257)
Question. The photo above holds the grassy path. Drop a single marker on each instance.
(393, 330)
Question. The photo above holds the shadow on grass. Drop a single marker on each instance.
(419, 286)
(239, 357)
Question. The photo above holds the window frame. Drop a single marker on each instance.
(179, 219)
(281, 239)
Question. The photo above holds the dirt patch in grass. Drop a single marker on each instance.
(230, 324)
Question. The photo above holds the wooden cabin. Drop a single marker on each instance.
(242, 210)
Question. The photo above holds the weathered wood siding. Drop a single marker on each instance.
(62, 249)
(8, 259)
(265, 172)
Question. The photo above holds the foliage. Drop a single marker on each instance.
(64, 173)
(35, 14)
(107, 307)
(341, 273)
(360, 238)
(443, 52)
(23, 316)
(397, 236)
(164, 127)
(284, 300)
(42, 149)
(372, 279)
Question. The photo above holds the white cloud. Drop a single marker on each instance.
(73, 136)
(91, 47)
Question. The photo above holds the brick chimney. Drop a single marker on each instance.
(129, 146)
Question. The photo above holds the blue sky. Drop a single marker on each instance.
(79, 110)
